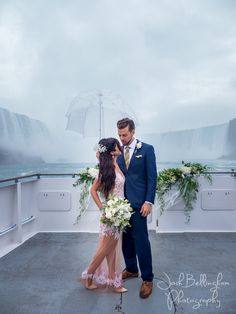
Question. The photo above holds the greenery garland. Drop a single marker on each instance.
(85, 179)
(185, 179)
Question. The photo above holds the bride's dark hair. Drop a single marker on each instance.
(107, 173)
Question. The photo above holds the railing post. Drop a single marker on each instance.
(18, 212)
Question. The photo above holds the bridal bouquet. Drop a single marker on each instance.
(85, 180)
(116, 213)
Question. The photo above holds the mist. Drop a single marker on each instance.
(173, 63)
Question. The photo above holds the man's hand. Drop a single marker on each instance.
(146, 209)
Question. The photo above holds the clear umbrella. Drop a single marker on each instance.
(95, 114)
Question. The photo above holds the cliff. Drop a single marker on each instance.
(22, 139)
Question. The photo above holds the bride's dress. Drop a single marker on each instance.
(105, 268)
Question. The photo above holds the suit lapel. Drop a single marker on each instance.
(122, 165)
(132, 158)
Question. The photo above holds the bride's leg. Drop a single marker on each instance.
(114, 270)
(96, 261)
(107, 245)
(111, 263)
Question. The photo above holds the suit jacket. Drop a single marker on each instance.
(141, 175)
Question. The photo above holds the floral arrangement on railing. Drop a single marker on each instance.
(85, 180)
(185, 179)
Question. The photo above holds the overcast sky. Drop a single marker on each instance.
(173, 62)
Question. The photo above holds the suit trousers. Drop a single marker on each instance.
(136, 244)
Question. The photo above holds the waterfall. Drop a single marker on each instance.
(20, 129)
(20, 134)
(203, 143)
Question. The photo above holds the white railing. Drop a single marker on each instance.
(11, 228)
(15, 182)
(49, 203)
(19, 214)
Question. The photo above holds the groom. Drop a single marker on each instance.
(138, 163)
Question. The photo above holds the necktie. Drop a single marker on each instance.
(127, 156)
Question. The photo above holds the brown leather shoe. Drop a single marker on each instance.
(126, 274)
(146, 289)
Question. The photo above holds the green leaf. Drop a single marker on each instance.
(187, 184)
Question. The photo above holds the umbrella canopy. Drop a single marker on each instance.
(96, 114)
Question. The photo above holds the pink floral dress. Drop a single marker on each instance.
(105, 268)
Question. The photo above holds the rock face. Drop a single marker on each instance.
(21, 138)
(232, 139)
(212, 142)
(230, 153)
(20, 128)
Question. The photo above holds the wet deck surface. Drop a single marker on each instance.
(195, 270)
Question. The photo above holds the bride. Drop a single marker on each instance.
(105, 268)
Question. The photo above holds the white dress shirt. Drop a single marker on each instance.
(131, 148)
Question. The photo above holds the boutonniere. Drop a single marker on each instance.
(139, 156)
(138, 146)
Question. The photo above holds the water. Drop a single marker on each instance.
(10, 171)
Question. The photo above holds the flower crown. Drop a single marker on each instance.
(100, 148)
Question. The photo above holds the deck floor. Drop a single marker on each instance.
(196, 270)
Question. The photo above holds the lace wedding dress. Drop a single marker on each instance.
(105, 268)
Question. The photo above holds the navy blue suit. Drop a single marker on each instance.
(140, 186)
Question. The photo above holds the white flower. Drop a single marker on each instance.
(139, 156)
(127, 215)
(185, 170)
(139, 145)
(117, 223)
(108, 215)
(110, 202)
(84, 170)
(93, 172)
(100, 148)
(117, 213)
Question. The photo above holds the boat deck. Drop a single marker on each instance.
(195, 270)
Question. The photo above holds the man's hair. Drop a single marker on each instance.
(123, 123)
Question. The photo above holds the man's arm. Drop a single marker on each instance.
(151, 175)
(151, 181)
